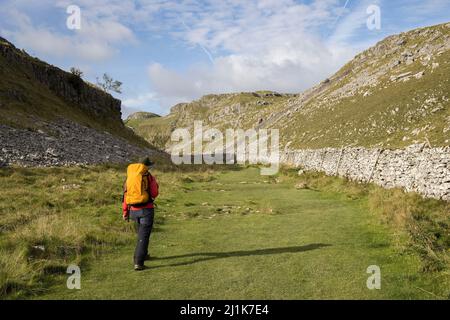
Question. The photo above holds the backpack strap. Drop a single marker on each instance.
(147, 175)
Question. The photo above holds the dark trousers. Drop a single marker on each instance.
(143, 220)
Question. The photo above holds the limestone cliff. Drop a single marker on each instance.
(65, 85)
(52, 117)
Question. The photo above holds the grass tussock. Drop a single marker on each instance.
(427, 222)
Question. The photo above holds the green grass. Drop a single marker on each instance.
(219, 234)
(418, 224)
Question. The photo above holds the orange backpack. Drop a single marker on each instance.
(136, 186)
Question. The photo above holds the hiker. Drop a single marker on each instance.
(139, 191)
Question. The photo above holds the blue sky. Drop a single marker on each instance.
(167, 52)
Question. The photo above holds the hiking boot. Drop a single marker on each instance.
(138, 267)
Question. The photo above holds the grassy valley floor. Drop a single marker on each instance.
(229, 234)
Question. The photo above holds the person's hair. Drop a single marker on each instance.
(146, 161)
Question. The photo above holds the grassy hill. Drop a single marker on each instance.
(137, 116)
(393, 94)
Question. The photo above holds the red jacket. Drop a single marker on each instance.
(153, 194)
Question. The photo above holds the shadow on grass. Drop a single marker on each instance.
(206, 256)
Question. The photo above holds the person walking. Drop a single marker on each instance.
(139, 192)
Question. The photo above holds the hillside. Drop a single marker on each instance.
(141, 116)
(393, 95)
(61, 118)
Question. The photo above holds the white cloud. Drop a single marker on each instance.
(43, 41)
(171, 87)
(97, 39)
(291, 68)
(257, 45)
(141, 101)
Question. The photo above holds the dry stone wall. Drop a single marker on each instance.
(416, 168)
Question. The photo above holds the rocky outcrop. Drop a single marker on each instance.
(416, 168)
(64, 143)
(54, 118)
(67, 86)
